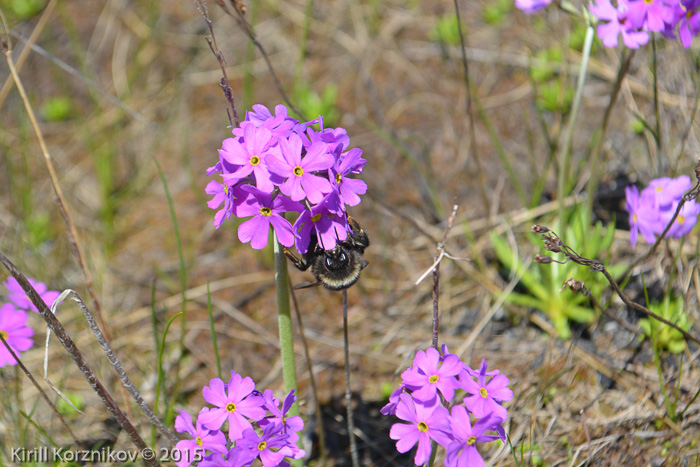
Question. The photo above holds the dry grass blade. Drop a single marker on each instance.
(68, 344)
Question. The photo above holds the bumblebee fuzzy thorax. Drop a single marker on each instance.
(338, 268)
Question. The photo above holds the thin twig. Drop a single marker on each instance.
(24, 55)
(248, 30)
(436, 275)
(470, 114)
(68, 344)
(73, 238)
(211, 40)
(39, 388)
(119, 370)
(76, 246)
(553, 243)
(348, 393)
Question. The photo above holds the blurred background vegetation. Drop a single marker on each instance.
(121, 84)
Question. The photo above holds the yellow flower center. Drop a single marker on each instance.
(422, 427)
(471, 440)
(198, 440)
(316, 217)
(3, 334)
(226, 189)
(434, 378)
(484, 393)
(298, 171)
(231, 407)
(254, 160)
(338, 178)
(659, 188)
(267, 212)
(262, 445)
(680, 219)
(634, 218)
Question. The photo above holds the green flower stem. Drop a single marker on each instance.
(284, 319)
(565, 154)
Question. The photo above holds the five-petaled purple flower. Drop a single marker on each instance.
(14, 329)
(265, 212)
(461, 452)
(298, 172)
(236, 403)
(191, 450)
(486, 396)
(427, 376)
(290, 425)
(425, 423)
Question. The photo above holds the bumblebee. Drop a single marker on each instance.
(339, 268)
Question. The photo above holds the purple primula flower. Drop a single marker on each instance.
(650, 14)
(618, 23)
(300, 180)
(425, 423)
(262, 445)
(236, 457)
(191, 450)
(427, 376)
(667, 190)
(462, 451)
(17, 296)
(644, 216)
(330, 228)
(336, 138)
(531, 6)
(215, 169)
(279, 154)
(14, 329)
(265, 212)
(686, 220)
(236, 405)
(688, 20)
(349, 189)
(394, 398)
(230, 197)
(250, 154)
(290, 425)
(486, 396)
(280, 125)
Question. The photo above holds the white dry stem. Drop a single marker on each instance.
(112, 360)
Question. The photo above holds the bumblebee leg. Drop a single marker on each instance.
(298, 263)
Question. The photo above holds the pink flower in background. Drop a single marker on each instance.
(17, 296)
(618, 23)
(651, 210)
(532, 6)
(14, 329)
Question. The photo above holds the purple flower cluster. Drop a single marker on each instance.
(239, 404)
(651, 210)
(531, 6)
(428, 387)
(13, 318)
(634, 19)
(276, 164)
